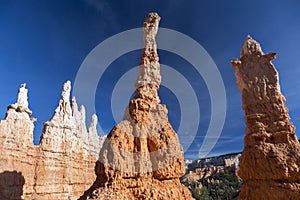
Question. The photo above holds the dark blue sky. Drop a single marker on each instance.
(43, 43)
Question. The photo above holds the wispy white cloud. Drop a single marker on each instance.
(106, 11)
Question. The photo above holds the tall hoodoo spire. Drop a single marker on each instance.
(141, 157)
(63, 113)
(149, 77)
(269, 165)
(149, 68)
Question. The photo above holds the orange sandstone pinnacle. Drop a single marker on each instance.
(141, 157)
(269, 165)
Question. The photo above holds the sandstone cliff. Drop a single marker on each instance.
(226, 160)
(141, 157)
(61, 166)
(269, 165)
(213, 177)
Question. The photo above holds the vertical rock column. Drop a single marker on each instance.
(269, 165)
(66, 164)
(17, 151)
(141, 157)
(154, 136)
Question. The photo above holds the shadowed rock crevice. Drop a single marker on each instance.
(11, 185)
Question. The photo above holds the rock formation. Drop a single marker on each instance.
(62, 165)
(17, 152)
(213, 177)
(223, 161)
(141, 157)
(20, 110)
(269, 165)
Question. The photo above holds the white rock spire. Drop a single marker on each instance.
(62, 116)
(22, 100)
(20, 110)
(149, 68)
(66, 90)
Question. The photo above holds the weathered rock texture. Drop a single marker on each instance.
(141, 157)
(269, 165)
(61, 166)
(213, 177)
(223, 161)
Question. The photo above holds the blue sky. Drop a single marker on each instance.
(43, 43)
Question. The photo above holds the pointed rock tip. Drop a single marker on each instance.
(152, 20)
(248, 37)
(149, 69)
(251, 47)
(22, 101)
(82, 109)
(94, 117)
(68, 83)
(74, 102)
(66, 91)
(22, 96)
(94, 121)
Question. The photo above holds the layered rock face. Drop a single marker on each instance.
(214, 177)
(17, 152)
(269, 165)
(62, 165)
(224, 161)
(141, 157)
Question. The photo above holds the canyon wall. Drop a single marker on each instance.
(226, 160)
(270, 162)
(62, 166)
(213, 177)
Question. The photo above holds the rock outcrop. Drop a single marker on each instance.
(141, 157)
(213, 177)
(17, 151)
(269, 165)
(62, 165)
(224, 161)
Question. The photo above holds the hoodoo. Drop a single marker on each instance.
(269, 165)
(141, 157)
(61, 166)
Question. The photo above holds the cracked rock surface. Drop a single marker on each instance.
(269, 165)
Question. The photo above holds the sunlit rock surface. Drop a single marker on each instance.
(141, 157)
(269, 165)
(61, 166)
